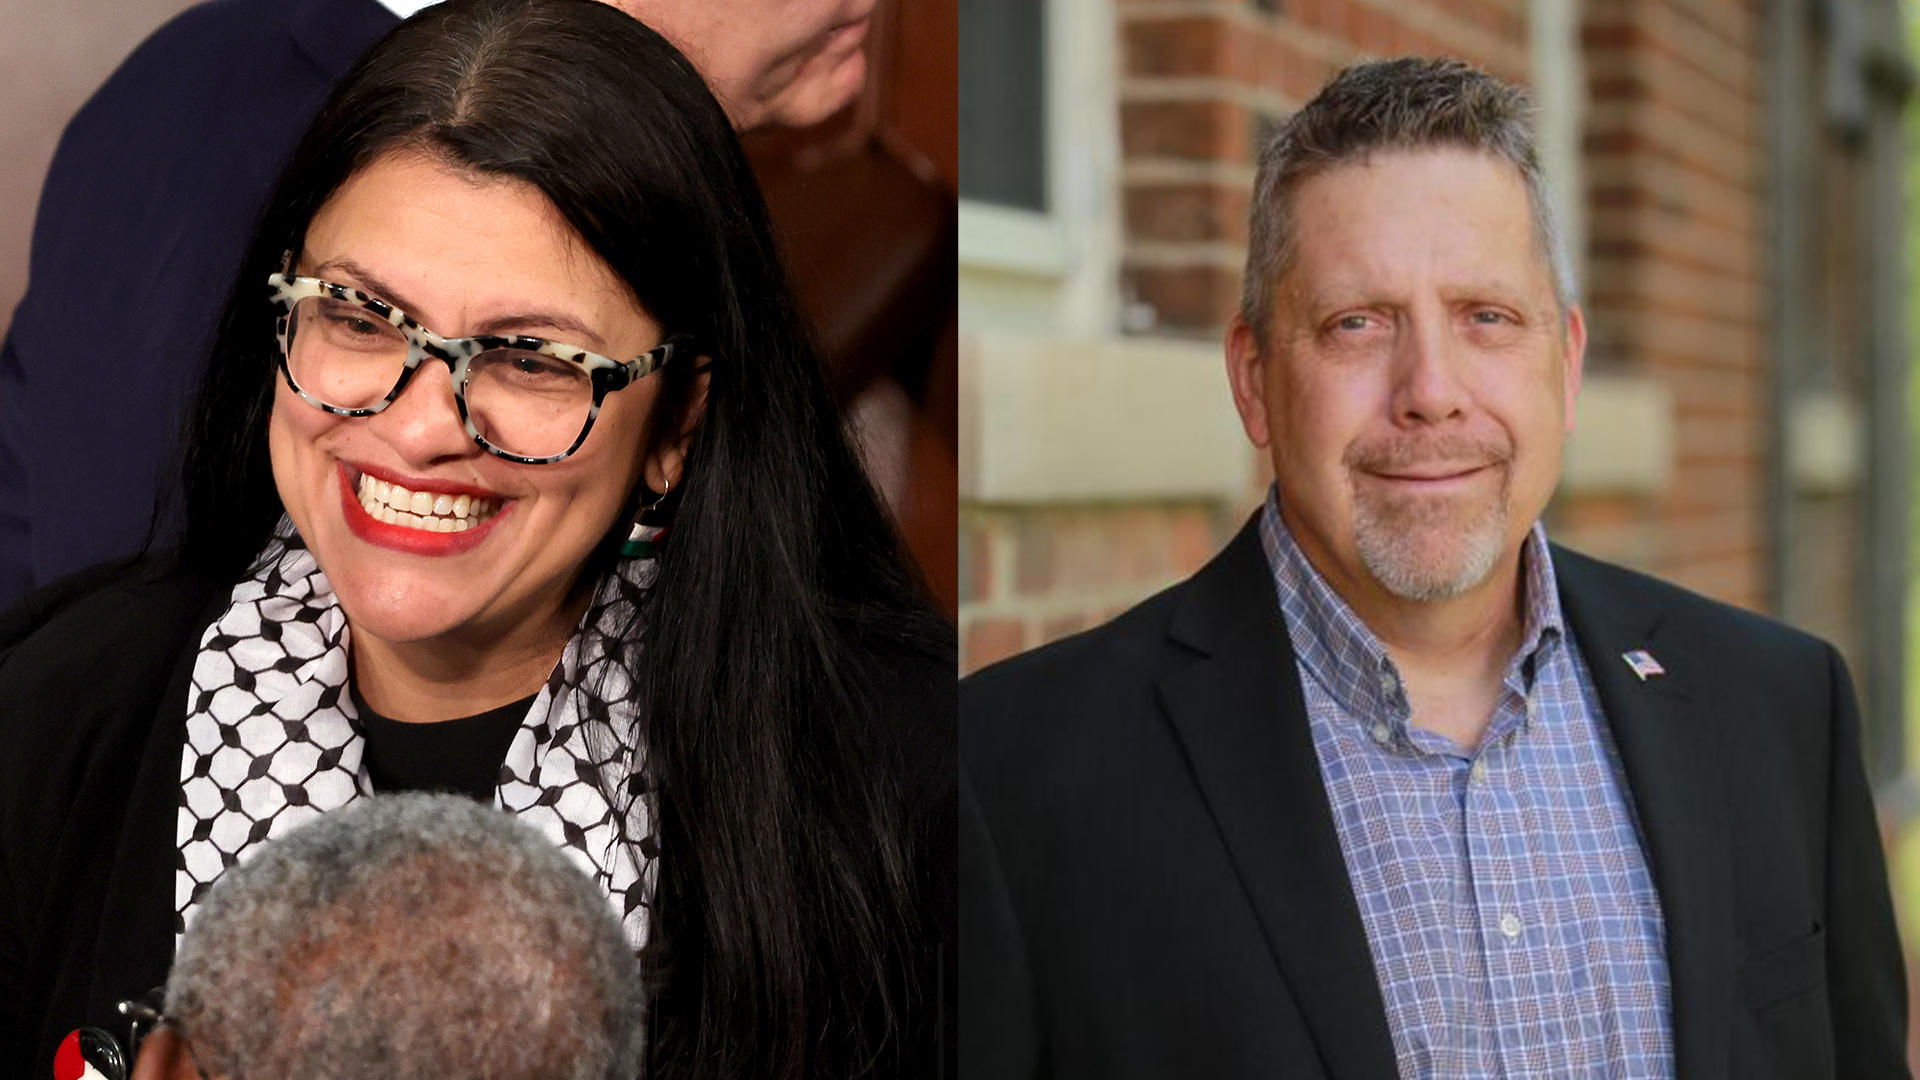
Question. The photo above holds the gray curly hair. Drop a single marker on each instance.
(1402, 104)
(409, 937)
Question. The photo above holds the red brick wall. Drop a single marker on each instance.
(1028, 576)
(1675, 165)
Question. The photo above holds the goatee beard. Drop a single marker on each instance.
(1427, 548)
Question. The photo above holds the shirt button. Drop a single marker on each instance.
(1388, 684)
(1478, 774)
(1510, 925)
(1381, 734)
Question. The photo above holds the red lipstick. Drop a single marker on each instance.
(408, 540)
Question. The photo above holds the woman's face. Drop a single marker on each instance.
(464, 255)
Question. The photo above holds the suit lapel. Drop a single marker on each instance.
(1239, 712)
(1670, 747)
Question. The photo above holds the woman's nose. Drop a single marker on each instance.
(423, 423)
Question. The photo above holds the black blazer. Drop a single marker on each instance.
(145, 214)
(1152, 884)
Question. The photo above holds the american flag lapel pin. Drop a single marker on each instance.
(1643, 664)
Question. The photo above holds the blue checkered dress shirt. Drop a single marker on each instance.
(1514, 927)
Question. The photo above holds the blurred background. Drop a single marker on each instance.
(1733, 175)
(864, 203)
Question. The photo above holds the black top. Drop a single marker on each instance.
(462, 756)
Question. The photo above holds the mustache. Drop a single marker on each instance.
(1403, 453)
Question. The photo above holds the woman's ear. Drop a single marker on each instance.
(670, 455)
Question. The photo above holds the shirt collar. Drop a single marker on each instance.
(1347, 659)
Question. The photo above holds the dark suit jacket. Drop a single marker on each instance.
(1152, 885)
(146, 211)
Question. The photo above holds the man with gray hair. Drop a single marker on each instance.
(1393, 786)
(406, 937)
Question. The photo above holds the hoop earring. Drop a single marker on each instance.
(649, 531)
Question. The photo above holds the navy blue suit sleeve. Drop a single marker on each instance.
(16, 530)
(148, 204)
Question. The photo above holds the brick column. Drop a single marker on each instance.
(1675, 163)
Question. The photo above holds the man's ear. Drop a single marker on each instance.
(1576, 346)
(1247, 376)
(164, 1055)
(669, 456)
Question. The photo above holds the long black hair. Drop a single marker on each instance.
(789, 917)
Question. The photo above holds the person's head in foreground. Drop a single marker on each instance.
(1408, 347)
(410, 937)
(515, 286)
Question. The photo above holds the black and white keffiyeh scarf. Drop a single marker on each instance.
(273, 739)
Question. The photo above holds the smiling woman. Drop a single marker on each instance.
(488, 592)
(513, 473)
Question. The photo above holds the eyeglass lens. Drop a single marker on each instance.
(523, 402)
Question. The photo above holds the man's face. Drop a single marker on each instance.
(792, 62)
(1418, 377)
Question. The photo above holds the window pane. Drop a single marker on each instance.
(1003, 103)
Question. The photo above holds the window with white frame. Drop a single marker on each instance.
(1039, 180)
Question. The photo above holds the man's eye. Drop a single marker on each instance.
(1351, 322)
(1490, 317)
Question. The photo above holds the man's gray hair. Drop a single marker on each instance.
(1411, 103)
(409, 937)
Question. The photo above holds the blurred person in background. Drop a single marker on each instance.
(1393, 786)
(410, 937)
(514, 474)
(155, 187)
